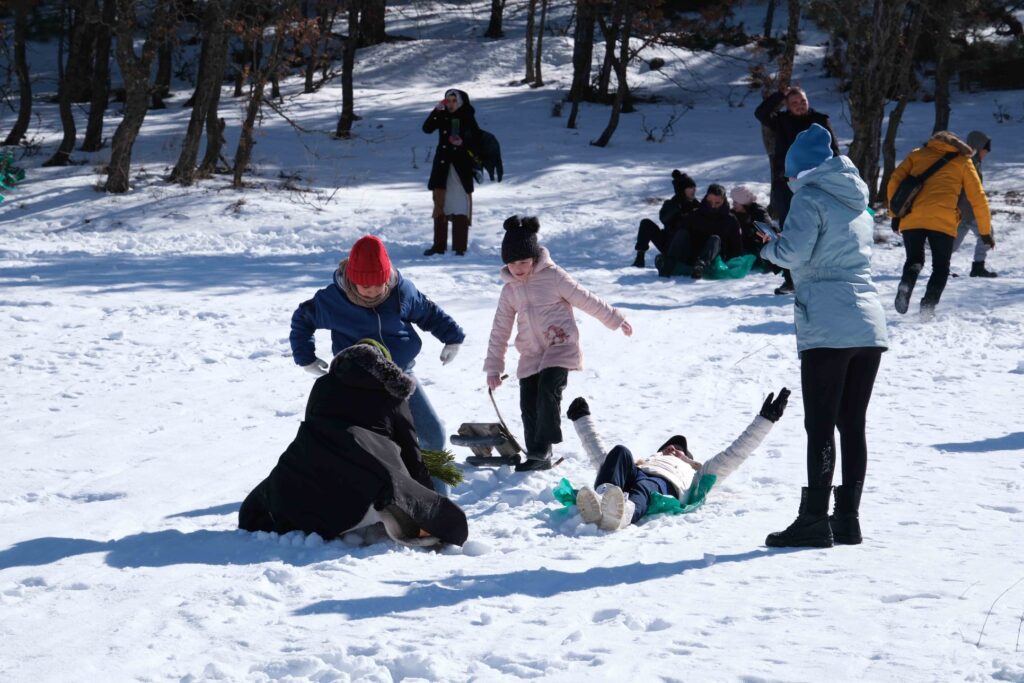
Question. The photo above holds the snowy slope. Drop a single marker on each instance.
(148, 385)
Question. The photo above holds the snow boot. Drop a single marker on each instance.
(440, 237)
(540, 460)
(978, 270)
(616, 509)
(844, 522)
(638, 262)
(787, 284)
(698, 270)
(810, 529)
(589, 505)
(906, 287)
(927, 310)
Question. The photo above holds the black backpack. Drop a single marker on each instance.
(903, 198)
(486, 156)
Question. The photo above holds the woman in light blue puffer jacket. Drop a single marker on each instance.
(840, 330)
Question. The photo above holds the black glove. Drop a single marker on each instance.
(989, 239)
(896, 224)
(577, 409)
(773, 409)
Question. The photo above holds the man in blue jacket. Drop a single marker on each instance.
(371, 300)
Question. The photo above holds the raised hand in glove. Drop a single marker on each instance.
(578, 408)
(317, 367)
(448, 353)
(989, 240)
(774, 407)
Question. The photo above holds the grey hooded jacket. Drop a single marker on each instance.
(977, 140)
(827, 246)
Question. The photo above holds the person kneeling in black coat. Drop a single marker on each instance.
(356, 461)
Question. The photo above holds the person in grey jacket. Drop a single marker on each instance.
(840, 330)
(982, 145)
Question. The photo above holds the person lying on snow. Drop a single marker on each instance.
(356, 461)
(624, 489)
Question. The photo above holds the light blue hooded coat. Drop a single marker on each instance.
(827, 246)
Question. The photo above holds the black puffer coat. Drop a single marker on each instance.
(755, 212)
(786, 126)
(356, 449)
(447, 154)
(706, 222)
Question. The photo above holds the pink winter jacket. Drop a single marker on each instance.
(546, 335)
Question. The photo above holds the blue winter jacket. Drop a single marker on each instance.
(389, 323)
(827, 246)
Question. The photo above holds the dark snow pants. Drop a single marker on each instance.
(778, 206)
(836, 385)
(619, 469)
(540, 400)
(649, 233)
(942, 250)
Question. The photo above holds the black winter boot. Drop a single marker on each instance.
(697, 272)
(540, 460)
(811, 529)
(638, 262)
(978, 270)
(844, 521)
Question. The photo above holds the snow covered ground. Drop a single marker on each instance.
(148, 385)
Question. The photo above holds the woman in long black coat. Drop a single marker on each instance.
(355, 461)
(451, 176)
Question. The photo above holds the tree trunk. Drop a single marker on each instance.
(769, 19)
(494, 29)
(371, 22)
(611, 35)
(78, 72)
(208, 82)
(348, 63)
(538, 79)
(582, 55)
(162, 84)
(943, 73)
(21, 69)
(101, 80)
(261, 75)
(620, 73)
(317, 48)
(71, 24)
(903, 88)
(135, 72)
(531, 13)
(788, 57)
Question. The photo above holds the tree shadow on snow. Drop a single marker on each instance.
(1010, 442)
(173, 547)
(535, 583)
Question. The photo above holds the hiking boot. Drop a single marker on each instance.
(903, 292)
(589, 505)
(698, 270)
(638, 262)
(811, 528)
(844, 520)
(978, 270)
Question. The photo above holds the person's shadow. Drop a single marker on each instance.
(537, 583)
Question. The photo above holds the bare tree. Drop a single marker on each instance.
(326, 11)
(531, 13)
(260, 75)
(72, 23)
(620, 73)
(101, 76)
(212, 59)
(944, 13)
(610, 30)
(538, 78)
(769, 19)
(494, 29)
(17, 133)
(582, 56)
(164, 65)
(371, 22)
(352, 41)
(135, 69)
(784, 75)
(903, 88)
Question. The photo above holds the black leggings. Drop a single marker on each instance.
(942, 250)
(649, 233)
(837, 386)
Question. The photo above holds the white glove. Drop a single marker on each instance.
(317, 367)
(448, 353)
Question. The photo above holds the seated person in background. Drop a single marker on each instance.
(623, 489)
(746, 210)
(704, 234)
(683, 202)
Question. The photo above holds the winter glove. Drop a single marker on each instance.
(317, 367)
(989, 240)
(896, 224)
(772, 409)
(577, 409)
(448, 353)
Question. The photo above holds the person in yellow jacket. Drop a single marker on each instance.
(934, 217)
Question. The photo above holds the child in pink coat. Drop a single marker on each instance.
(539, 297)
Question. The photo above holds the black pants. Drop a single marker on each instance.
(942, 250)
(619, 469)
(681, 252)
(649, 233)
(837, 386)
(779, 201)
(540, 399)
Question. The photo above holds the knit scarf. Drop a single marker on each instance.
(353, 294)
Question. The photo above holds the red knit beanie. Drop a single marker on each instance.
(368, 262)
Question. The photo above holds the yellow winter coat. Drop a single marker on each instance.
(935, 207)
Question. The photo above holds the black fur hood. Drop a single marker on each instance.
(366, 360)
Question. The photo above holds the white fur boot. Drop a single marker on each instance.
(616, 509)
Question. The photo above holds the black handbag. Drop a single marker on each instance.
(903, 198)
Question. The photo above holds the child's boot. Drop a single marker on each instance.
(616, 509)
(588, 502)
